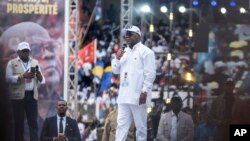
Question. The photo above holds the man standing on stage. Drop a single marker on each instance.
(23, 75)
(47, 51)
(136, 66)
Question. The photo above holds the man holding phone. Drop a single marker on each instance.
(23, 79)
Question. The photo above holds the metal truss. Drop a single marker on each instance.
(71, 55)
(126, 15)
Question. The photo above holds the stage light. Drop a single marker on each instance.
(171, 16)
(167, 101)
(195, 2)
(242, 10)
(213, 3)
(145, 8)
(151, 28)
(190, 33)
(189, 77)
(223, 10)
(169, 56)
(182, 9)
(232, 3)
(149, 109)
(164, 9)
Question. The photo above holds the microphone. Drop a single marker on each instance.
(124, 46)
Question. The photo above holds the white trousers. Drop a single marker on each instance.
(128, 113)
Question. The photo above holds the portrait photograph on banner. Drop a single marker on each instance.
(41, 24)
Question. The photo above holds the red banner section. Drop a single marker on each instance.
(87, 53)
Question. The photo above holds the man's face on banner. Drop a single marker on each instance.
(43, 48)
(45, 51)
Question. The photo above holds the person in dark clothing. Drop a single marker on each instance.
(60, 127)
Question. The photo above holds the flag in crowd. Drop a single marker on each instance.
(98, 11)
(88, 53)
(106, 79)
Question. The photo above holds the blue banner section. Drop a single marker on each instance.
(106, 79)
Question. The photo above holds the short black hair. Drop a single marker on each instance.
(176, 99)
(62, 100)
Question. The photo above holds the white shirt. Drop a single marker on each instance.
(173, 132)
(63, 122)
(137, 71)
(29, 83)
(100, 54)
(92, 136)
(158, 49)
(81, 127)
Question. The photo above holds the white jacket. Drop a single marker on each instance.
(137, 73)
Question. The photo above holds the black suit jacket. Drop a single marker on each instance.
(49, 129)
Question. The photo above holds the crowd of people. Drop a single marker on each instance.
(209, 83)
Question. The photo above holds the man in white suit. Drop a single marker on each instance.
(136, 67)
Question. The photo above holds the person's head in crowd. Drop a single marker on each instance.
(176, 104)
(132, 35)
(61, 108)
(23, 51)
(229, 87)
(43, 48)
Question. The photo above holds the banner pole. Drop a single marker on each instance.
(87, 29)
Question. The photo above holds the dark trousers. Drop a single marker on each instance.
(27, 105)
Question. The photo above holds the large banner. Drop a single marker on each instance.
(41, 24)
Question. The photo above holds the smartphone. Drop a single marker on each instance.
(33, 69)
